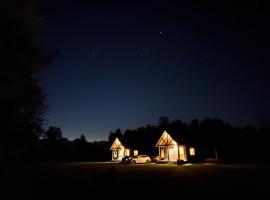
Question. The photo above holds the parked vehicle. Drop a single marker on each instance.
(127, 159)
(140, 159)
(156, 159)
(124, 159)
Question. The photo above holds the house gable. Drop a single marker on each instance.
(165, 140)
(117, 144)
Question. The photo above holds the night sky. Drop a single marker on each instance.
(125, 64)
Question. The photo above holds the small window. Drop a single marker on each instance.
(192, 151)
(127, 152)
(181, 149)
(136, 152)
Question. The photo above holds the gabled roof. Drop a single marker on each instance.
(165, 140)
(171, 138)
(123, 143)
(116, 144)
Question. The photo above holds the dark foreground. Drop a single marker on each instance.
(86, 180)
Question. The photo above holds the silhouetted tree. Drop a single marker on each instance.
(21, 96)
(54, 144)
(195, 124)
(81, 149)
(53, 134)
(116, 134)
(163, 122)
(81, 140)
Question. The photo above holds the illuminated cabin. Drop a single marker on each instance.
(171, 148)
(119, 151)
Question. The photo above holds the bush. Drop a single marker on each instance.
(194, 159)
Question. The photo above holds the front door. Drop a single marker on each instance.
(172, 153)
(163, 152)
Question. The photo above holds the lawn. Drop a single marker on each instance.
(156, 180)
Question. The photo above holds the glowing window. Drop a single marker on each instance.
(181, 150)
(192, 151)
(136, 152)
(127, 152)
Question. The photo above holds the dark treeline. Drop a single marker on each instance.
(232, 144)
(54, 147)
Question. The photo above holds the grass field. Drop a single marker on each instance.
(155, 180)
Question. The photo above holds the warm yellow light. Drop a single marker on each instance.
(127, 152)
(170, 151)
(181, 149)
(136, 152)
(192, 151)
(162, 153)
(115, 154)
(116, 144)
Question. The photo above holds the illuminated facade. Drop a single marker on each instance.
(172, 150)
(119, 151)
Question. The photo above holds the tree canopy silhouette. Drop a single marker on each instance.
(21, 96)
(53, 134)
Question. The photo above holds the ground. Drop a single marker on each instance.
(155, 180)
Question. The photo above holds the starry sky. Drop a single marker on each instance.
(125, 64)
